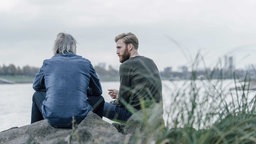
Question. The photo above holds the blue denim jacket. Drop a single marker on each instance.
(66, 79)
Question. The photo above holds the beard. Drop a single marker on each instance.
(125, 56)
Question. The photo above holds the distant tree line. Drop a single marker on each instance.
(207, 73)
(104, 73)
(109, 73)
(11, 69)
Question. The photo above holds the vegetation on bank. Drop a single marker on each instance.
(109, 73)
(203, 112)
(16, 74)
(17, 78)
(208, 113)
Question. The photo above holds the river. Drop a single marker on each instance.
(16, 99)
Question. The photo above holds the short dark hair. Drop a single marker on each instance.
(128, 38)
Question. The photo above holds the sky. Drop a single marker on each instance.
(171, 32)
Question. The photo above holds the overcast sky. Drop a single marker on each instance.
(171, 32)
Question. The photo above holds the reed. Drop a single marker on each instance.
(203, 112)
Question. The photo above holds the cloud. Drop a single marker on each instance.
(214, 27)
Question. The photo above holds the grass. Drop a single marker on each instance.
(203, 112)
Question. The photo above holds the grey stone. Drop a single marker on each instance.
(142, 127)
(91, 130)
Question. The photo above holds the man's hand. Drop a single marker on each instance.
(113, 93)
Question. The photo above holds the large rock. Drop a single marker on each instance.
(146, 119)
(91, 130)
(143, 127)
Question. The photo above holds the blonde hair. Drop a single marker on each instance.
(64, 43)
(128, 38)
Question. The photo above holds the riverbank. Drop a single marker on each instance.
(16, 79)
(20, 79)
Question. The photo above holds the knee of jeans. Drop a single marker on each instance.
(109, 106)
(35, 95)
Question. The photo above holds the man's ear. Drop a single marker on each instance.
(130, 47)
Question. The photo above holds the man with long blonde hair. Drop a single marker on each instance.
(67, 87)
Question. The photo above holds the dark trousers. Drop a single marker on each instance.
(115, 112)
(97, 103)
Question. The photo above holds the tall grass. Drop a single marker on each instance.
(203, 112)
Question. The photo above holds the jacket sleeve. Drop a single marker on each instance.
(38, 84)
(94, 84)
(125, 90)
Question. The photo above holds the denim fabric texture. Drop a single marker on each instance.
(66, 80)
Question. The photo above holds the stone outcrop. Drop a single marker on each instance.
(91, 130)
(143, 127)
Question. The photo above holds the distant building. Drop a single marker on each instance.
(102, 65)
(229, 64)
(183, 69)
(166, 73)
(168, 70)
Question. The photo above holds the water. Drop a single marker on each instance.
(16, 100)
(15, 105)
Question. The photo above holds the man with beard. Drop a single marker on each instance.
(140, 83)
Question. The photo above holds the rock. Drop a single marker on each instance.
(144, 118)
(143, 127)
(91, 130)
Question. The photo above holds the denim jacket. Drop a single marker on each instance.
(66, 79)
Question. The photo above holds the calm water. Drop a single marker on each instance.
(16, 99)
(15, 104)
